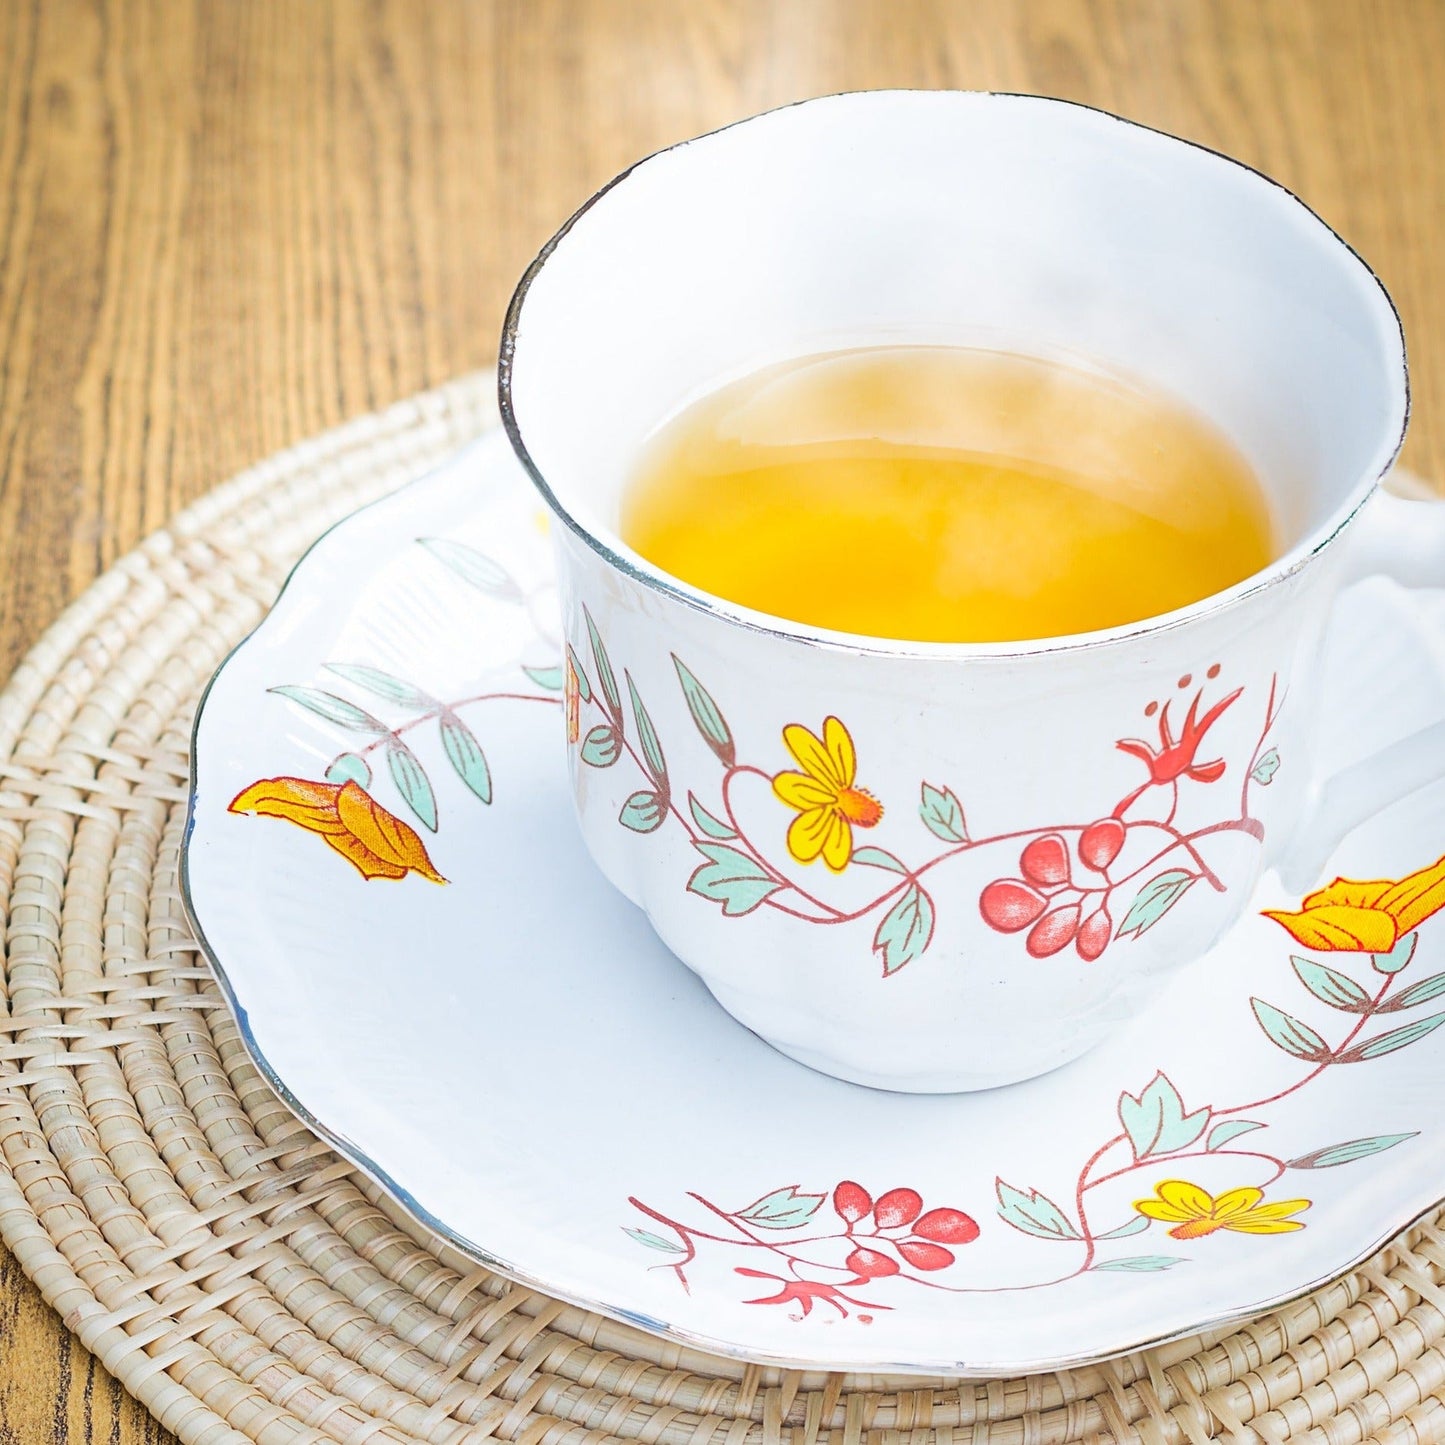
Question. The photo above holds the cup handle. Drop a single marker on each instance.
(1403, 538)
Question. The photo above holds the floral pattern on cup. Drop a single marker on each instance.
(1088, 884)
(857, 1255)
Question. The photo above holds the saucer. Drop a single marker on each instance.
(383, 866)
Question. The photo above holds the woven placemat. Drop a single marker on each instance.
(245, 1284)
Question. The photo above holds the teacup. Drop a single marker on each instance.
(1063, 822)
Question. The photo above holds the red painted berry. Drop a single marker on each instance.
(1009, 904)
(925, 1256)
(898, 1206)
(852, 1201)
(1046, 861)
(1093, 936)
(870, 1264)
(1053, 931)
(1100, 842)
(947, 1226)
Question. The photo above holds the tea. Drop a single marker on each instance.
(944, 494)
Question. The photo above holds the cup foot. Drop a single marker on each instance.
(930, 1083)
(909, 1076)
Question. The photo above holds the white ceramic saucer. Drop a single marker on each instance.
(518, 1059)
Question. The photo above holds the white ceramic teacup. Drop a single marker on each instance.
(1065, 821)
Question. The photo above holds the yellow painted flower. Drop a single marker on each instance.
(829, 807)
(1366, 916)
(1194, 1213)
(376, 843)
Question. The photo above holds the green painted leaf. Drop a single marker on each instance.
(1137, 1225)
(412, 782)
(334, 709)
(655, 1241)
(877, 858)
(1400, 1038)
(644, 811)
(647, 737)
(1033, 1213)
(1398, 957)
(713, 827)
(1156, 1122)
(731, 878)
(474, 567)
(784, 1208)
(706, 714)
(602, 746)
(1288, 1033)
(1264, 770)
(942, 814)
(466, 755)
(1421, 992)
(1331, 987)
(584, 687)
(606, 679)
(1140, 1264)
(1154, 900)
(906, 930)
(350, 768)
(1347, 1153)
(552, 678)
(382, 684)
(1228, 1129)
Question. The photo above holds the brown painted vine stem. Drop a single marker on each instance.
(1319, 1068)
(432, 713)
(1271, 712)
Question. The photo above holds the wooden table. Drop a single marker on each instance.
(227, 225)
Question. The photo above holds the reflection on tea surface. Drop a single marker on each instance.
(936, 493)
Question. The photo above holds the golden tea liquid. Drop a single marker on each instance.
(930, 493)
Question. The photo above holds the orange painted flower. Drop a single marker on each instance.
(376, 843)
(1194, 1212)
(1366, 916)
(829, 807)
(572, 695)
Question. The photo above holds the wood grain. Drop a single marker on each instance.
(224, 226)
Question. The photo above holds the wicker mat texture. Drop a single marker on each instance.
(247, 1285)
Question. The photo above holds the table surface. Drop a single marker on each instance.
(224, 227)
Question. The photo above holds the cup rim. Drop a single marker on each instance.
(618, 556)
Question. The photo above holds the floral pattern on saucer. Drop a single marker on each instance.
(341, 808)
(827, 1246)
